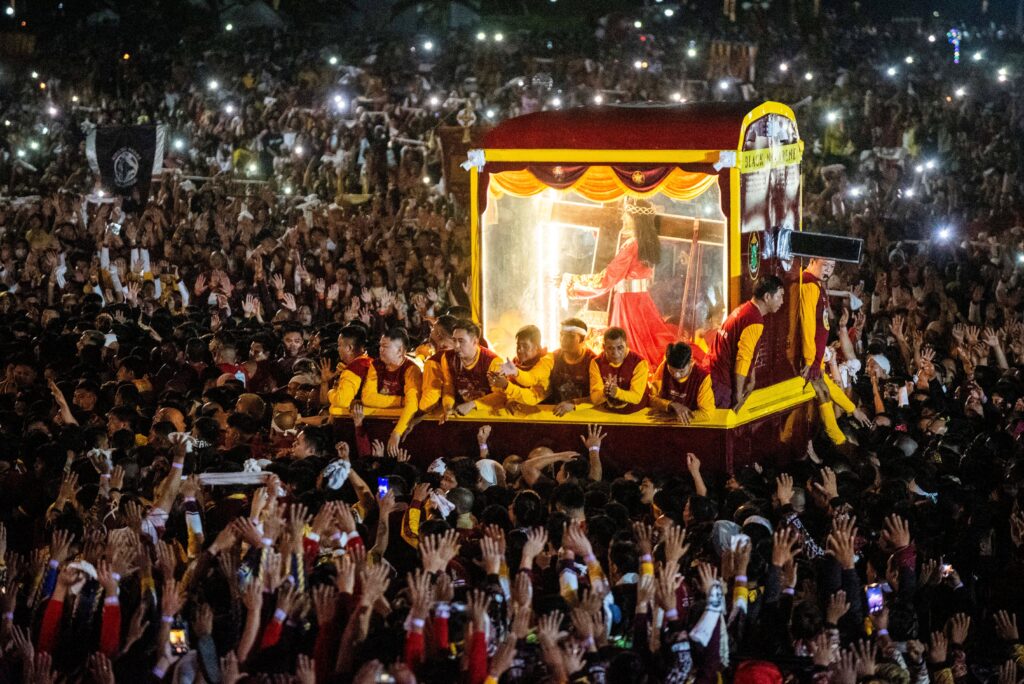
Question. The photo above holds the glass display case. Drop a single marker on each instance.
(532, 246)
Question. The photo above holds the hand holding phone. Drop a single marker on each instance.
(876, 601)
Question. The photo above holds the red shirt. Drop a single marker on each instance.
(624, 374)
(722, 354)
(570, 380)
(472, 383)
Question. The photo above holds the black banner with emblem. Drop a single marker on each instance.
(126, 158)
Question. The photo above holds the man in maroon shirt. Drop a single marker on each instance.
(734, 349)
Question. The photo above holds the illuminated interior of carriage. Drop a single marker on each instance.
(532, 233)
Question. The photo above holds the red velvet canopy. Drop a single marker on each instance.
(696, 126)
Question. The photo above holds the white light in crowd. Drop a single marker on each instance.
(101, 193)
(229, 27)
(428, 45)
(638, 24)
(498, 37)
(52, 110)
(599, 98)
(669, 11)
(637, 64)
(832, 117)
(891, 71)
(212, 84)
(434, 101)
(74, 98)
(252, 168)
(644, 64)
(34, 145)
(287, 189)
(676, 97)
(489, 114)
(426, 180)
(977, 56)
(556, 102)
(9, 11)
(299, 150)
(229, 108)
(855, 191)
(21, 153)
(944, 233)
(481, 36)
(909, 59)
(522, 83)
(1001, 78)
(1020, 258)
(691, 52)
(909, 192)
(7, 122)
(809, 76)
(1002, 71)
(784, 67)
(931, 38)
(919, 168)
(45, 130)
(339, 102)
(333, 60)
(960, 92)
(723, 84)
(35, 74)
(179, 144)
(930, 164)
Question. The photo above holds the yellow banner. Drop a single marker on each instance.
(770, 157)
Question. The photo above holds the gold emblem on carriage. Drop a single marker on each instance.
(637, 177)
(558, 172)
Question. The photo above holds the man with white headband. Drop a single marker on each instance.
(569, 379)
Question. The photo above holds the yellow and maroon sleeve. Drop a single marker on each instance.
(746, 347)
(810, 293)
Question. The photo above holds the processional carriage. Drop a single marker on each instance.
(546, 195)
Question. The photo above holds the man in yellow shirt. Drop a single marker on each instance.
(393, 381)
(814, 323)
(618, 377)
(441, 343)
(353, 366)
(682, 387)
(466, 371)
(524, 380)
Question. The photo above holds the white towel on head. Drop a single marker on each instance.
(336, 473)
(488, 470)
(439, 501)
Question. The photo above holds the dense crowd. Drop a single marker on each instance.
(174, 503)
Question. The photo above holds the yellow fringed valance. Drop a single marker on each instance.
(601, 184)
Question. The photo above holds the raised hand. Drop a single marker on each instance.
(958, 627)
(838, 606)
(786, 544)
(896, 533)
(675, 546)
(1006, 626)
(595, 435)
(100, 669)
